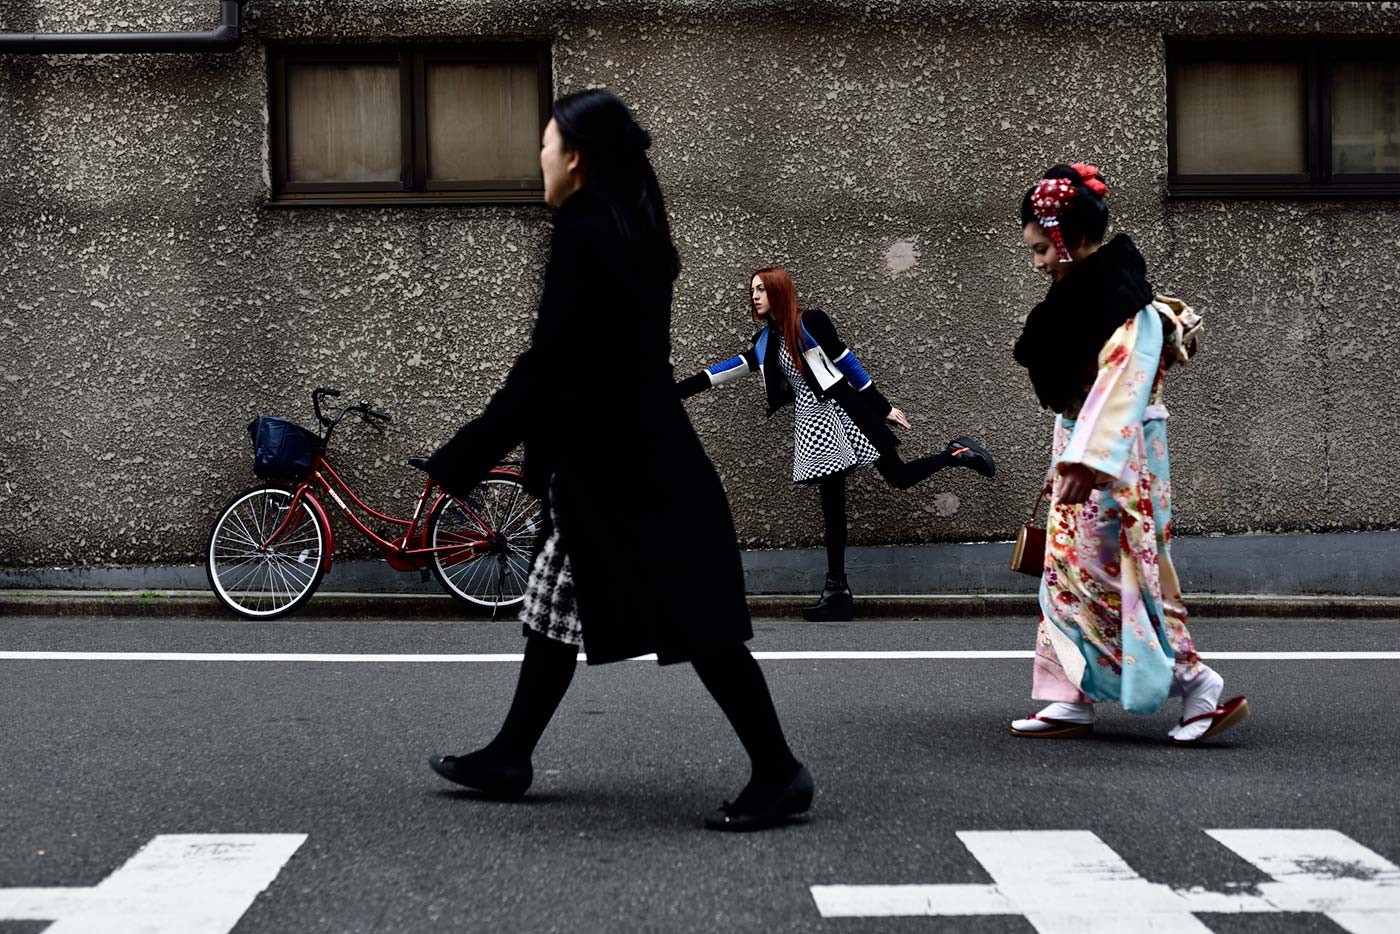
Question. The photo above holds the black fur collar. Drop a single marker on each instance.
(1063, 335)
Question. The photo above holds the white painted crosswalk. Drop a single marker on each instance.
(1059, 881)
(1071, 882)
(176, 884)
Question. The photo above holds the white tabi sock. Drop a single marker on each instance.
(1200, 694)
(1060, 710)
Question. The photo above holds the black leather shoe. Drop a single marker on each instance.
(495, 780)
(793, 800)
(968, 453)
(835, 604)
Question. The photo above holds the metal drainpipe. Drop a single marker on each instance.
(222, 39)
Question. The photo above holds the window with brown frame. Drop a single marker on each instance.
(408, 124)
(1253, 116)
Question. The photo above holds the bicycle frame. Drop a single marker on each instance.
(408, 552)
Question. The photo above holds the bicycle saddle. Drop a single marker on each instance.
(419, 462)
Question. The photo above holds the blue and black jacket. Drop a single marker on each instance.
(828, 365)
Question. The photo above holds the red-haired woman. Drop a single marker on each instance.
(841, 420)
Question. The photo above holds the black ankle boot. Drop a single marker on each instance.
(835, 605)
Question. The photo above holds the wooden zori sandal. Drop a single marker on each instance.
(1059, 729)
(1222, 718)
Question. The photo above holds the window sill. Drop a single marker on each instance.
(401, 200)
(1196, 191)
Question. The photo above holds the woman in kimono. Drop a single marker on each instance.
(1113, 624)
(656, 570)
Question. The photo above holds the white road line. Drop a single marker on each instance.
(176, 884)
(948, 655)
(910, 901)
(247, 657)
(1300, 656)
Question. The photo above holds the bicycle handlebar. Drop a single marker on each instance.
(364, 407)
(364, 410)
(316, 395)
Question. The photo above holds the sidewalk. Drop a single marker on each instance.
(1340, 575)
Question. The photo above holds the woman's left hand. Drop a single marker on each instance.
(1075, 484)
(896, 417)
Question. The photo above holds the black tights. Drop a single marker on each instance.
(833, 491)
(728, 672)
(897, 473)
(545, 675)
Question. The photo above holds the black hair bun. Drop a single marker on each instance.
(636, 137)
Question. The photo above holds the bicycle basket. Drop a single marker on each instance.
(282, 450)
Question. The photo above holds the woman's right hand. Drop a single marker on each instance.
(1048, 486)
(1075, 485)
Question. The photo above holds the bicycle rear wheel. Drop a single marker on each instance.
(257, 582)
(493, 531)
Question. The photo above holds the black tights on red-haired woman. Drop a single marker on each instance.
(836, 602)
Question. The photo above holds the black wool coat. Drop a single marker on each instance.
(642, 515)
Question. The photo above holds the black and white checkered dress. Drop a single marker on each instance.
(825, 440)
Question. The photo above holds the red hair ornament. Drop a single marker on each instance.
(1090, 174)
(1049, 199)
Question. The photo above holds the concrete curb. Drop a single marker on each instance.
(1347, 563)
(417, 607)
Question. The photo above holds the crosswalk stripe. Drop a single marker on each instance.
(176, 884)
(490, 657)
(1071, 882)
(1323, 871)
(41, 904)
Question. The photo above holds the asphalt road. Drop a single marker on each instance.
(99, 757)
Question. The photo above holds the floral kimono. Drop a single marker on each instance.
(1113, 624)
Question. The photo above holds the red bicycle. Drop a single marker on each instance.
(272, 544)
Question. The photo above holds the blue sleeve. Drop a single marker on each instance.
(850, 367)
(736, 367)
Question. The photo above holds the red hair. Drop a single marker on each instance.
(782, 308)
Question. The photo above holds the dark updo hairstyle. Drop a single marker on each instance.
(1086, 215)
(597, 124)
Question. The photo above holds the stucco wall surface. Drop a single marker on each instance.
(151, 302)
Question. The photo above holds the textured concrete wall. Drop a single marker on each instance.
(151, 302)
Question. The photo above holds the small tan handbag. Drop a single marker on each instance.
(1028, 557)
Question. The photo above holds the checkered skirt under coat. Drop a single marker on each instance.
(550, 608)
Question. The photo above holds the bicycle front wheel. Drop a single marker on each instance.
(257, 580)
(489, 538)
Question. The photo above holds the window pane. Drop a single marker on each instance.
(483, 122)
(1239, 118)
(1365, 118)
(343, 123)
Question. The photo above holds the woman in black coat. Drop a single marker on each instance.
(639, 554)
